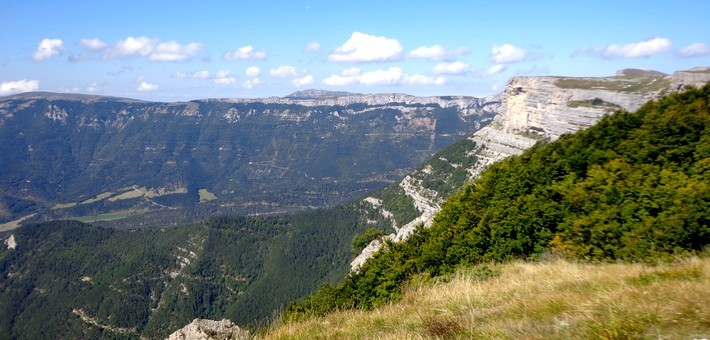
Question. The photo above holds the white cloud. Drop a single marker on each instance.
(172, 51)
(695, 50)
(418, 79)
(48, 48)
(455, 67)
(10, 87)
(283, 71)
(130, 47)
(94, 87)
(151, 48)
(495, 69)
(351, 72)
(252, 71)
(434, 52)
(245, 53)
(342, 79)
(144, 86)
(249, 84)
(507, 53)
(638, 50)
(303, 81)
(92, 44)
(195, 75)
(437, 52)
(312, 47)
(366, 48)
(201, 75)
(223, 78)
(391, 76)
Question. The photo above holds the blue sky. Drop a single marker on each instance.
(175, 50)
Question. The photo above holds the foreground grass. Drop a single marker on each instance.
(548, 300)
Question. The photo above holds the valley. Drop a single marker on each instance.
(78, 156)
(84, 280)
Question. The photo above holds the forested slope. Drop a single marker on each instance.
(634, 187)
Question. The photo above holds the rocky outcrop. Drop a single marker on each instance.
(203, 329)
(10, 242)
(534, 109)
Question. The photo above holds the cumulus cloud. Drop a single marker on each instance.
(695, 50)
(201, 75)
(312, 47)
(95, 87)
(495, 69)
(11, 87)
(249, 84)
(92, 44)
(172, 51)
(194, 75)
(283, 71)
(346, 77)
(366, 48)
(252, 71)
(48, 48)
(245, 53)
(150, 48)
(144, 86)
(418, 79)
(640, 49)
(391, 76)
(437, 52)
(303, 81)
(507, 53)
(223, 77)
(455, 68)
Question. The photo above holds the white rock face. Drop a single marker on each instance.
(543, 108)
(203, 329)
(10, 242)
(370, 99)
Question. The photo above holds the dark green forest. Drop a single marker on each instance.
(149, 282)
(634, 187)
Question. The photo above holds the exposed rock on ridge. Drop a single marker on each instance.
(535, 109)
(202, 329)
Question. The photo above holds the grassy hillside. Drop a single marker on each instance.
(634, 187)
(525, 300)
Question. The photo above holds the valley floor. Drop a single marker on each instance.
(544, 300)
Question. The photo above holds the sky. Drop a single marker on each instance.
(179, 50)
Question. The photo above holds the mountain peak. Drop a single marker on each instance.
(639, 73)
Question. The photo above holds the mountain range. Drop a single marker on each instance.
(103, 158)
(85, 281)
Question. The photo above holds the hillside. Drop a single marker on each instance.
(533, 110)
(104, 158)
(524, 300)
(84, 281)
(634, 187)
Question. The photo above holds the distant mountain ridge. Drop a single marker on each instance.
(72, 155)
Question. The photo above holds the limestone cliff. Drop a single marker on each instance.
(534, 109)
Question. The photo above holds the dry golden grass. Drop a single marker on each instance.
(551, 300)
